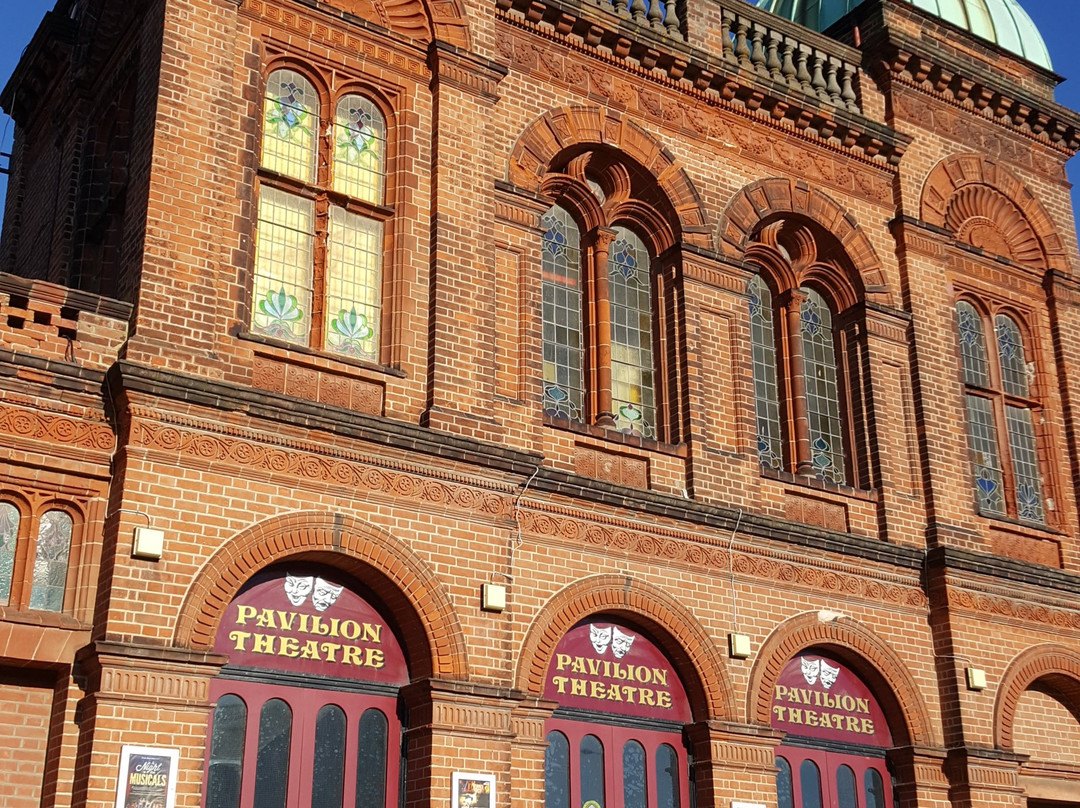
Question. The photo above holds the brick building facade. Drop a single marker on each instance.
(739, 360)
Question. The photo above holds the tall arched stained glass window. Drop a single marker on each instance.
(328, 770)
(630, 280)
(371, 760)
(845, 788)
(873, 789)
(667, 777)
(810, 780)
(51, 552)
(766, 391)
(822, 391)
(359, 149)
(290, 125)
(591, 762)
(998, 396)
(226, 764)
(9, 537)
(564, 384)
(785, 795)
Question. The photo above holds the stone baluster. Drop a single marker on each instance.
(772, 59)
(742, 49)
(621, 8)
(757, 51)
(847, 90)
(638, 10)
(726, 41)
(817, 80)
(672, 21)
(656, 15)
(788, 68)
(803, 74)
(832, 86)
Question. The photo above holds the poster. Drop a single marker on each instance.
(147, 777)
(473, 790)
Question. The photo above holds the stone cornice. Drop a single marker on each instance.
(1018, 572)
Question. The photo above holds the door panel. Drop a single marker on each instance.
(813, 778)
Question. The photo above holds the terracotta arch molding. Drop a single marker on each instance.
(421, 20)
(568, 127)
(1055, 666)
(434, 642)
(764, 199)
(673, 627)
(866, 653)
(986, 188)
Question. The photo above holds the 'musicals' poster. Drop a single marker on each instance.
(147, 778)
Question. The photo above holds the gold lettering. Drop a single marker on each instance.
(289, 647)
(663, 699)
(243, 614)
(285, 620)
(310, 651)
(560, 684)
(614, 693)
(781, 693)
(374, 658)
(594, 666)
(659, 677)
(240, 638)
(795, 715)
(372, 632)
(264, 644)
(578, 665)
(577, 687)
(863, 705)
(351, 655)
(265, 619)
(847, 704)
(629, 693)
(867, 726)
(596, 689)
(852, 723)
(330, 649)
(645, 696)
(350, 630)
(779, 710)
(811, 718)
(562, 661)
(620, 673)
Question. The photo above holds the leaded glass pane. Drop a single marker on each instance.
(272, 760)
(874, 789)
(1014, 370)
(51, 562)
(557, 771)
(371, 760)
(630, 287)
(224, 773)
(328, 761)
(592, 770)
(845, 788)
(785, 795)
(822, 393)
(766, 391)
(564, 386)
(281, 305)
(633, 775)
(9, 535)
(290, 125)
(359, 149)
(810, 778)
(1029, 496)
(973, 358)
(668, 793)
(982, 434)
(354, 285)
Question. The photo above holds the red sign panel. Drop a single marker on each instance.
(307, 620)
(818, 697)
(607, 667)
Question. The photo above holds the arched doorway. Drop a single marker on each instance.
(616, 739)
(306, 711)
(837, 737)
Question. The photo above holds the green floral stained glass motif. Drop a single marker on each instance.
(359, 149)
(353, 285)
(283, 266)
(290, 125)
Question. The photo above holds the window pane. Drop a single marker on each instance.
(226, 753)
(272, 761)
(592, 770)
(328, 768)
(630, 287)
(874, 789)
(785, 796)
(810, 779)
(51, 562)
(822, 394)
(766, 394)
(1014, 369)
(9, 535)
(354, 285)
(973, 359)
(633, 775)
(281, 299)
(668, 793)
(1029, 496)
(371, 760)
(556, 771)
(845, 788)
(290, 125)
(359, 149)
(982, 434)
(564, 387)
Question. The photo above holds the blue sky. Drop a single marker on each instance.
(1058, 20)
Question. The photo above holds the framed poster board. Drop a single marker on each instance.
(147, 777)
(473, 790)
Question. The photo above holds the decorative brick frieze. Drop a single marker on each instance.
(40, 426)
(611, 467)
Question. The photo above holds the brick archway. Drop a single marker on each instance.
(986, 188)
(1055, 666)
(674, 629)
(432, 636)
(558, 130)
(866, 653)
(770, 199)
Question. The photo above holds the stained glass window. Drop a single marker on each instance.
(1029, 496)
(592, 770)
(354, 285)
(564, 386)
(785, 795)
(630, 287)
(668, 794)
(1014, 370)
(284, 247)
(290, 125)
(984, 451)
(272, 763)
(359, 149)
(328, 759)
(633, 775)
(766, 392)
(9, 536)
(973, 359)
(822, 392)
(51, 553)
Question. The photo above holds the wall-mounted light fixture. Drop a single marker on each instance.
(738, 645)
(149, 543)
(976, 678)
(493, 597)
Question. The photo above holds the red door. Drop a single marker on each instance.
(813, 778)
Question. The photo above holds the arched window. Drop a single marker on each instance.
(797, 392)
(9, 537)
(51, 552)
(226, 761)
(319, 240)
(999, 400)
(35, 553)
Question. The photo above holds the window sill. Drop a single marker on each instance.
(285, 350)
(11, 614)
(820, 485)
(1008, 523)
(612, 435)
